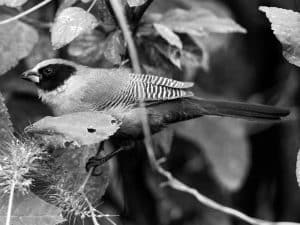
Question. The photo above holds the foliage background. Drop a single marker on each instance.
(250, 167)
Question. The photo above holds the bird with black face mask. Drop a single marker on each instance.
(68, 87)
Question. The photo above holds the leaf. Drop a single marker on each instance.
(192, 60)
(225, 145)
(95, 47)
(31, 210)
(199, 23)
(83, 128)
(69, 24)
(16, 42)
(158, 57)
(12, 3)
(167, 34)
(286, 27)
(171, 53)
(6, 127)
(194, 56)
(135, 3)
(115, 47)
(88, 48)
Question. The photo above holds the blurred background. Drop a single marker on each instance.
(245, 165)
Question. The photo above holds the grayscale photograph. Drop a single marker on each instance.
(149, 112)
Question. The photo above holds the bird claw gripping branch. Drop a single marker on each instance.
(95, 162)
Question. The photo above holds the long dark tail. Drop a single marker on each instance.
(233, 109)
(162, 114)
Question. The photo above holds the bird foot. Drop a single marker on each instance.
(95, 162)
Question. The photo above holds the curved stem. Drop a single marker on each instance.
(91, 6)
(82, 187)
(22, 14)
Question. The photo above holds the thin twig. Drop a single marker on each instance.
(91, 209)
(127, 35)
(82, 187)
(91, 5)
(176, 184)
(22, 14)
(10, 203)
(107, 217)
(32, 21)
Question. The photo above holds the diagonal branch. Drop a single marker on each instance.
(22, 14)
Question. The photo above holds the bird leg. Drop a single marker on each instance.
(95, 162)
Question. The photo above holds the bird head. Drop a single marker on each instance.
(50, 74)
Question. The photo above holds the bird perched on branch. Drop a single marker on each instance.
(68, 87)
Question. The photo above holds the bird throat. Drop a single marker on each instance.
(52, 97)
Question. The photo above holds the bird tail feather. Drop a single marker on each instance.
(235, 109)
(173, 111)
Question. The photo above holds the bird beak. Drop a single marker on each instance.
(31, 76)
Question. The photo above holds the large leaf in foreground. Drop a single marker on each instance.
(83, 128)
(286, 27)
(30, 210)
(16, 42)
(69, 24)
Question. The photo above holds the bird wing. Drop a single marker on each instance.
(152, 88)
(160, 81)
(120, 88)
(162, 115)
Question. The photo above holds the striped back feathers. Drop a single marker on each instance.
(153, 88)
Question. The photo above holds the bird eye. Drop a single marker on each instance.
(48, 71)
